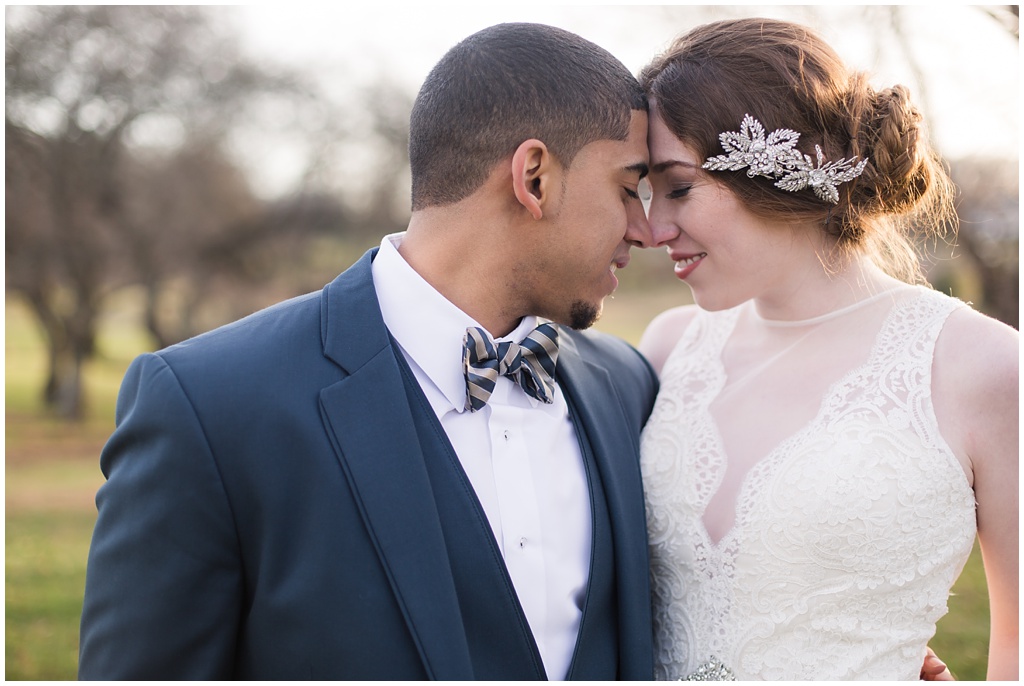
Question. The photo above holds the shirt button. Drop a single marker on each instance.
(522, 543)
(506, 434)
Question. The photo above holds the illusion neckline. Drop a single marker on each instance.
(833, 314)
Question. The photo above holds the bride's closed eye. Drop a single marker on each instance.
(679, 192)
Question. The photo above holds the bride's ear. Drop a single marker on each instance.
(532, 168)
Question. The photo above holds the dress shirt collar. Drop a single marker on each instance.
(429, 328)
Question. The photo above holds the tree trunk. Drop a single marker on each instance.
(69, 344)
(999, 283)
(152, 316)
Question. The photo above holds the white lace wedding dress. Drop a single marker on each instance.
(806, 518)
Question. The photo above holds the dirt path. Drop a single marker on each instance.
(52, 465)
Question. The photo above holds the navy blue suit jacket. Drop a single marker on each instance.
(267, 512)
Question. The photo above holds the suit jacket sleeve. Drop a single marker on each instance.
(643, 385)
(164, 584)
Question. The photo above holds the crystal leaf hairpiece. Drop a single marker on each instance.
(775, 157)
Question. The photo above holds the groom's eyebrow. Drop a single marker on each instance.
(640, 167)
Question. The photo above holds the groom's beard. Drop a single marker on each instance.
(582, 315)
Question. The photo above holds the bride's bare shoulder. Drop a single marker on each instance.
(978, 352)
(975, 387)
(664, 332)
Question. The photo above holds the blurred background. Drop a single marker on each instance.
(169, 169)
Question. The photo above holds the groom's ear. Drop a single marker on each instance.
(533, 166)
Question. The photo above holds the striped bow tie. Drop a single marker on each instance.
(531, 364)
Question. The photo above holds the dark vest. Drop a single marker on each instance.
(500, 642)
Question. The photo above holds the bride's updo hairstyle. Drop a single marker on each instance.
(787, 77)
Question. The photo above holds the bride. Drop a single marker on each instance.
(829, 437)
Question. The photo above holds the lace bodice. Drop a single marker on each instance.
(847, 535)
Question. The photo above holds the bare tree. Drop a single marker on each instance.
(87, 88)
(988, 241)
(60, 246)
(1007, 16)
(207, 251)
(175, 206)
(988, 207)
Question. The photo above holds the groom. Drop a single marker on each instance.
(347, 485)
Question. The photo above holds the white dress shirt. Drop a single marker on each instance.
(521, 456)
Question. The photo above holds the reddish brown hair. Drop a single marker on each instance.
(787, 77)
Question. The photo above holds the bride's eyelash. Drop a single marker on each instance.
(677, 193)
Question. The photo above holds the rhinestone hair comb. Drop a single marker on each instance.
(775, 157)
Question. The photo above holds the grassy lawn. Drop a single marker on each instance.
(45, 553)
(52, 473)
(51, 476)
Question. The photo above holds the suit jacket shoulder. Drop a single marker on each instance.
(632, 374)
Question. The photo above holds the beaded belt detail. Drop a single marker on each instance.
(712, 670)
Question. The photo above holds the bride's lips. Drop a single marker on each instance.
(686, 263)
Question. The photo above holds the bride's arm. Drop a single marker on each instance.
(976, 390)
(995, 456)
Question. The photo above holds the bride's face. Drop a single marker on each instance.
(726, 254)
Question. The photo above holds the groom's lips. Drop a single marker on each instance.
(618, 263)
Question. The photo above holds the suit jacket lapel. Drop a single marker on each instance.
(368, 418)
(593, 395)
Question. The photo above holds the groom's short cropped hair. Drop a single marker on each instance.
(507, 84)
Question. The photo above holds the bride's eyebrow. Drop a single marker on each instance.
(668, 164)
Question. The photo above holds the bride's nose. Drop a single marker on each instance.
(663, 227)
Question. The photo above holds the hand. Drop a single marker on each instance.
(935, 669)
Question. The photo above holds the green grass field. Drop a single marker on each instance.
(52, 474)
